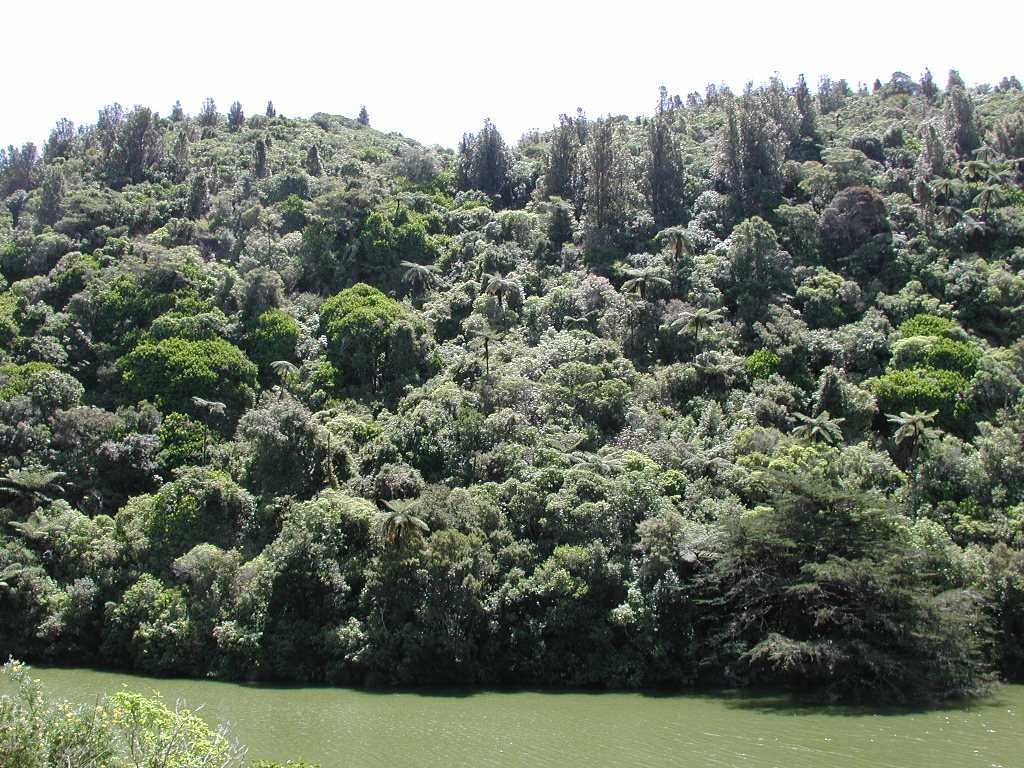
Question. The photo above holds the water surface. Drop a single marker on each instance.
(345, 728)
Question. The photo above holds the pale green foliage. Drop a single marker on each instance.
(127, 730)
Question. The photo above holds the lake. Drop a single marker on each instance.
(346, 728)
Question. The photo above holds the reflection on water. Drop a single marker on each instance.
(344, 728)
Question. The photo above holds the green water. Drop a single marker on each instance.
(343, 728)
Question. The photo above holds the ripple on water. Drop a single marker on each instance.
(344, 728)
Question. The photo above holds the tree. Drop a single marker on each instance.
(605, 194)
(399, 526)
(61, 140)
(287, 371)
(271, 112)
(208, 116)
(171, 371)
(601, 464)
(287, 448)
(260, 159)
(755, 272)
(821, 428)
(27, 489)
(502, 287)
(364, 117)
(928, 87)
(419, 276)
(664, 172)
(641, 281)
(958, 113)
(482, 340)
(1009, 136)
(697, 323)
(313, 165)
(484, 163)
(562, 174)
(373, 341)
(990, 195)
(975, 170)
(853, 219)
(946, 188)
(805, 106)
(15, 203)
(948, 215)
(682, 242)
(181, 153)
(201, 505)
(273, 336)
(818, 586)
(236, 117)
(916, 428)
(18, 169)
(53, 196)
(131, 144)
(198, 201)
(754, 147)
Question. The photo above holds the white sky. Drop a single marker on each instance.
(434, 70)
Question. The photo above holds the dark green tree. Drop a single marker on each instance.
(260, 169)
(373, 341)
(18, 169)
(817, 587)
(806, 107)
(928, 87)
(236, 117)
(958, 112)
(484, 163)
(562, 175)
(606, 193)
(208, 116)
(664, 172)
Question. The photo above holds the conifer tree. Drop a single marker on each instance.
(928, 87)
(18, 168)
(958, 111)
(605, 194)
(61, 137)
(805, 106)
(208, 115)
(180, 154)
(198, 196)
(313, 165)
(51, 201)
(260, 157)
(664, 172)
(562, 175)
(236, 117)
(484, 163)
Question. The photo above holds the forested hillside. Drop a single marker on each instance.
(727, 395)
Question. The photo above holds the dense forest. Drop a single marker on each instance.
(729, 395)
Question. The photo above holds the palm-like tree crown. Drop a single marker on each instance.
(681, 238)
(419, 275)
(398, 524)
(500, 287)
(821, 428)
(915, 427)
(641, 281)
(30, 487)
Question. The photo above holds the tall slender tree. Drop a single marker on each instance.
(484, 163)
